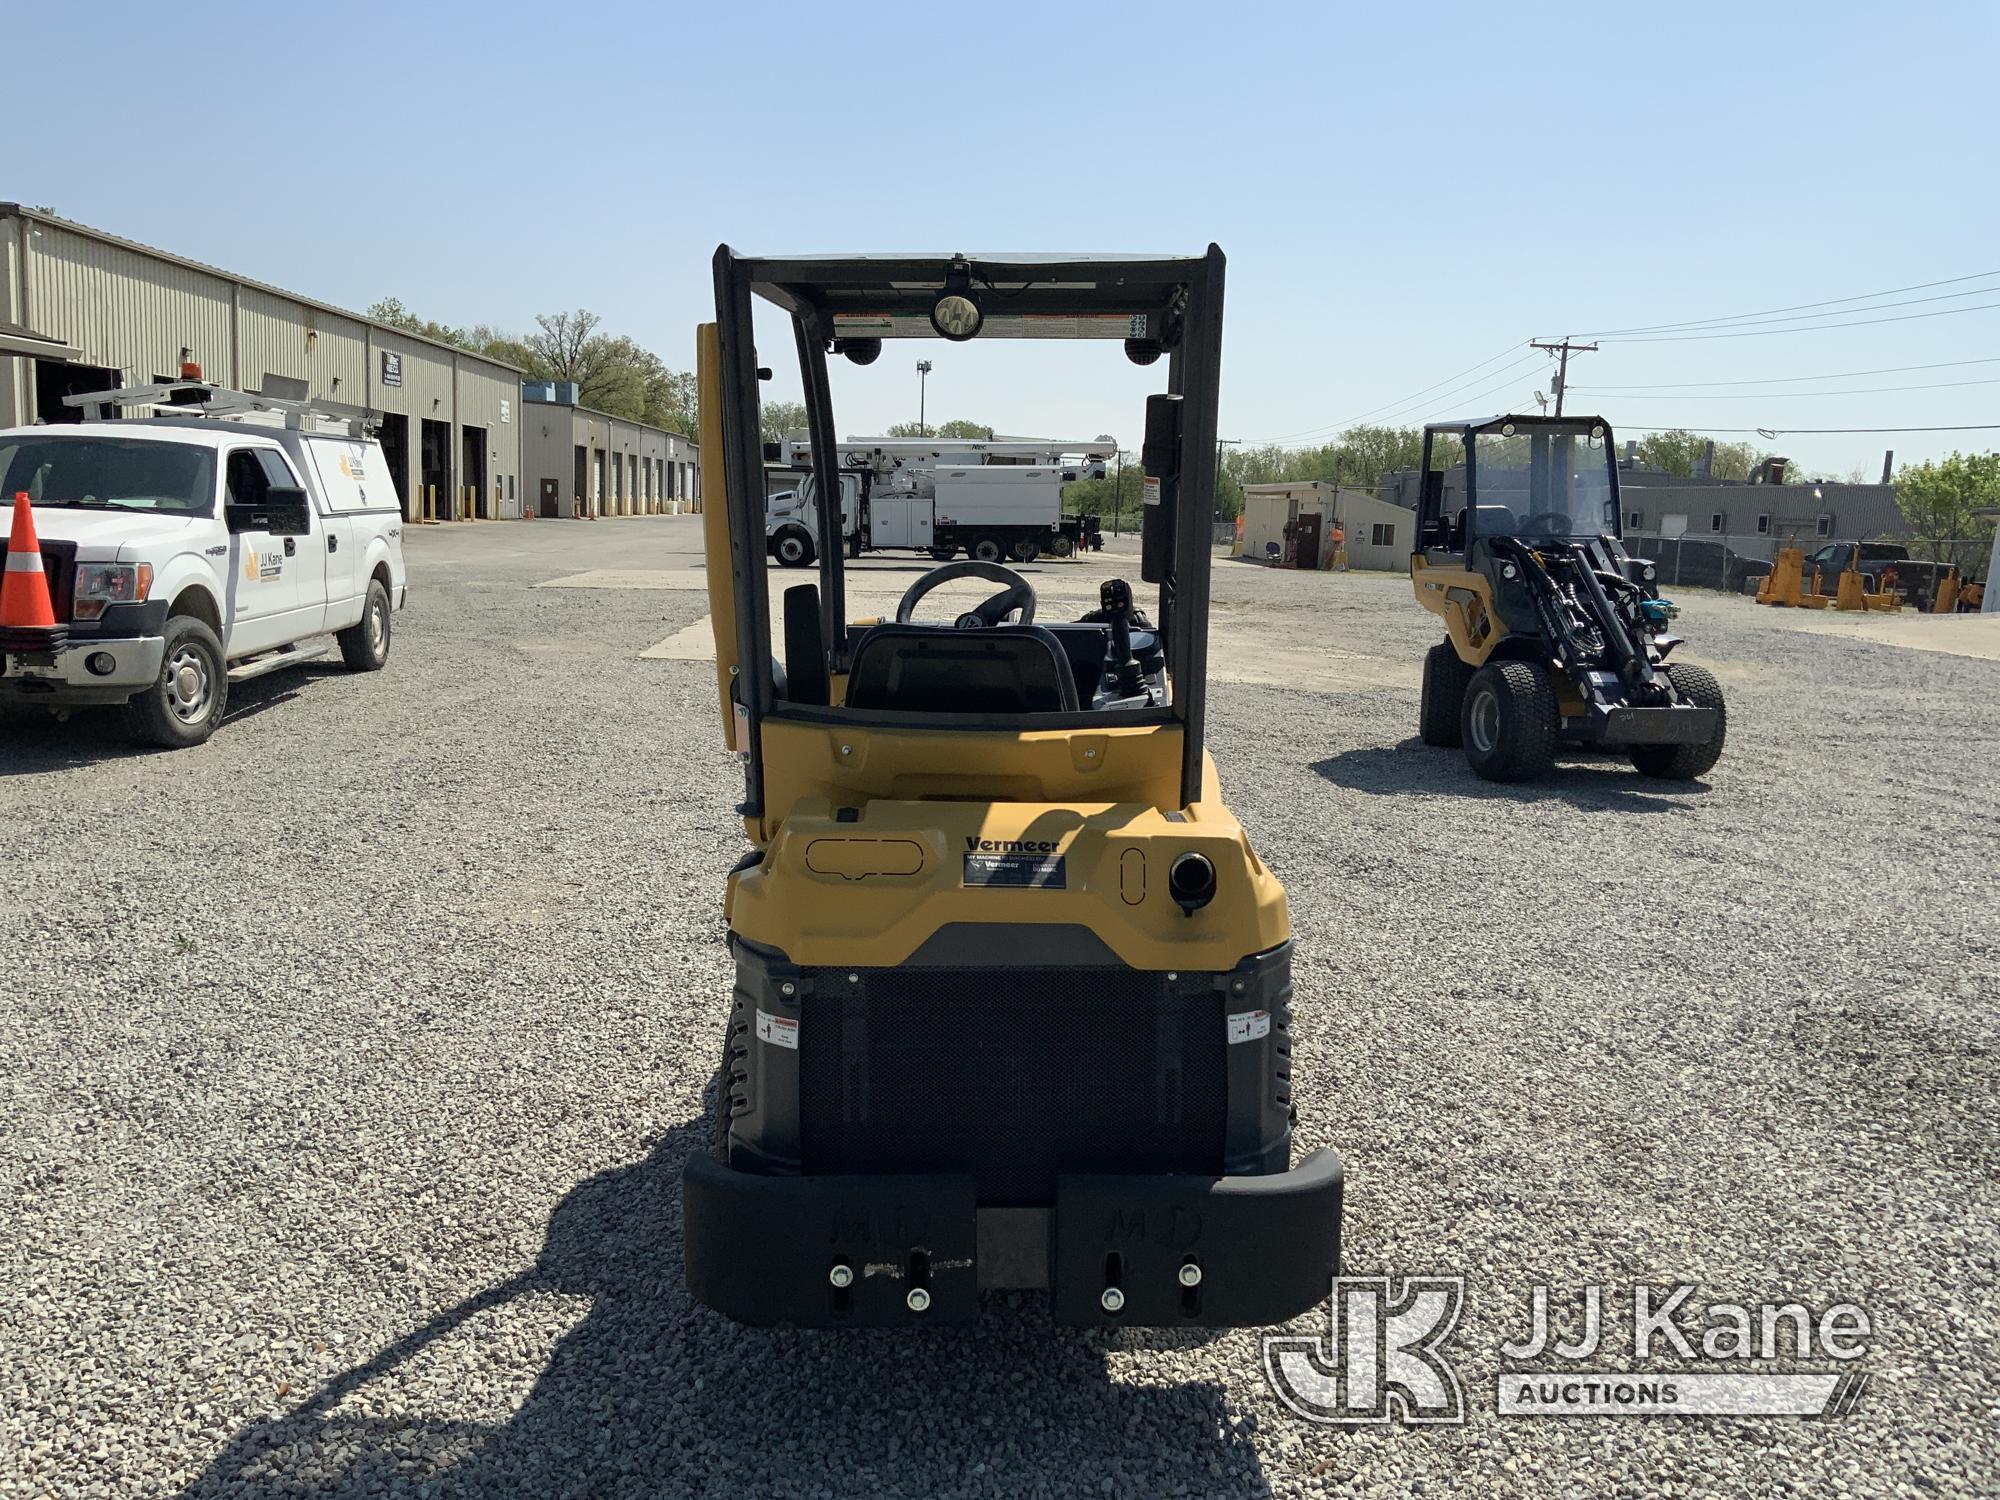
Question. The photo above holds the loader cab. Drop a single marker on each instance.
(1538, 480)
(1131, 659)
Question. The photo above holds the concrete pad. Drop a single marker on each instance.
(682, 579)
(694, 642)
(1976, 636)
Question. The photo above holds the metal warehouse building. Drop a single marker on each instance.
(576, 461)
(81, 310)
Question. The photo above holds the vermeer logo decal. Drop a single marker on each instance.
(1010, 846)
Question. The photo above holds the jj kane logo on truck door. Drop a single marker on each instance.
(1032, 863)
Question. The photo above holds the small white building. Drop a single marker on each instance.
(1373, 533)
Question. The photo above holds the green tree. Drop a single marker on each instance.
(781, 417)
(1674, 451)
(956, 428)
(1937, 501)
(390, 310)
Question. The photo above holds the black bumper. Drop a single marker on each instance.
(763, 1250)
(1675, 724)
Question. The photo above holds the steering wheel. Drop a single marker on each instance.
(1549, 522)
(1019, 594)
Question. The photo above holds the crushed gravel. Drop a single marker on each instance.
(348, 1064)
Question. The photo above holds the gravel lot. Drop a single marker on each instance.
(348, 1064)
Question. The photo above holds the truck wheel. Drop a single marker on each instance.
(794, 549)
(1685, 762)
(184, 706)
(986, 549)
(1442, 701)
(1061, 546)
(1027, 551)
(1510, 721)
(364, 646)
(943, 554)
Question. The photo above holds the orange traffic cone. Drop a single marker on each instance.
(27, 618)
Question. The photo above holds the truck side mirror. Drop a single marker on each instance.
(282, 512)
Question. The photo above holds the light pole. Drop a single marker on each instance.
(923, 378)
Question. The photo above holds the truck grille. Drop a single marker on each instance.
(59, 563)
(1012, 1075)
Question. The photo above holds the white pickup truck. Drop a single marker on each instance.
(185, 552)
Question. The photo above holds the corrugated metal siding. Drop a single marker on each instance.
(492, 399)
(13, 370)
(124, 309)
(277, 336)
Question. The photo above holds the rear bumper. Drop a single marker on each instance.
(763, 1249)
(62, 677)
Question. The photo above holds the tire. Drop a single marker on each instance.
(793, 549)
(986, 549)
(1061, 546)
(1686, 762)
(943, 554)
(1442, 701)
(1028, 551)
(364, 646)
(182, 709)
(1510, 721)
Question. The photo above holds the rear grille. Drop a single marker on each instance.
(1012, 1075)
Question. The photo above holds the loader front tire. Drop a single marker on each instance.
(1510, 721)
(1686, 762)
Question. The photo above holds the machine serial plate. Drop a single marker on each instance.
(1044, 871)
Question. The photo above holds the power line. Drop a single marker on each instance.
(1490, 391)
(1676, 338)
(1922, 286)
(1813, 318)
(1866, 390)
(1688, 385)
(1403, 410)
(1387, 405)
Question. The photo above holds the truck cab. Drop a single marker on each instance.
(198, 547)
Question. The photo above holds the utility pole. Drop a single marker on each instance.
(1220, 444)
(923, 379)
(1564, 350)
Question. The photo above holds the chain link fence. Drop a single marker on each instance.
(1735, 562)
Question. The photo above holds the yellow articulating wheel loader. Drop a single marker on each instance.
(1013, 992)
(1554, 635)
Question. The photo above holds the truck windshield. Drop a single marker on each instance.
(1544, 483)
(104, 473)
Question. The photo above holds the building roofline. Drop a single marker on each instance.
(591, 411)
(19, 211)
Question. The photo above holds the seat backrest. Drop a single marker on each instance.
(1009, 669)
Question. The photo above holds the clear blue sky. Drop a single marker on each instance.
(1402, 192)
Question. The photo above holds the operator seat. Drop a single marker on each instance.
(1006, 669)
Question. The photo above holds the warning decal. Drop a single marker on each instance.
(779, 1031)
(1249, 1025)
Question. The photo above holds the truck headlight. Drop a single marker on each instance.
(101, 585)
